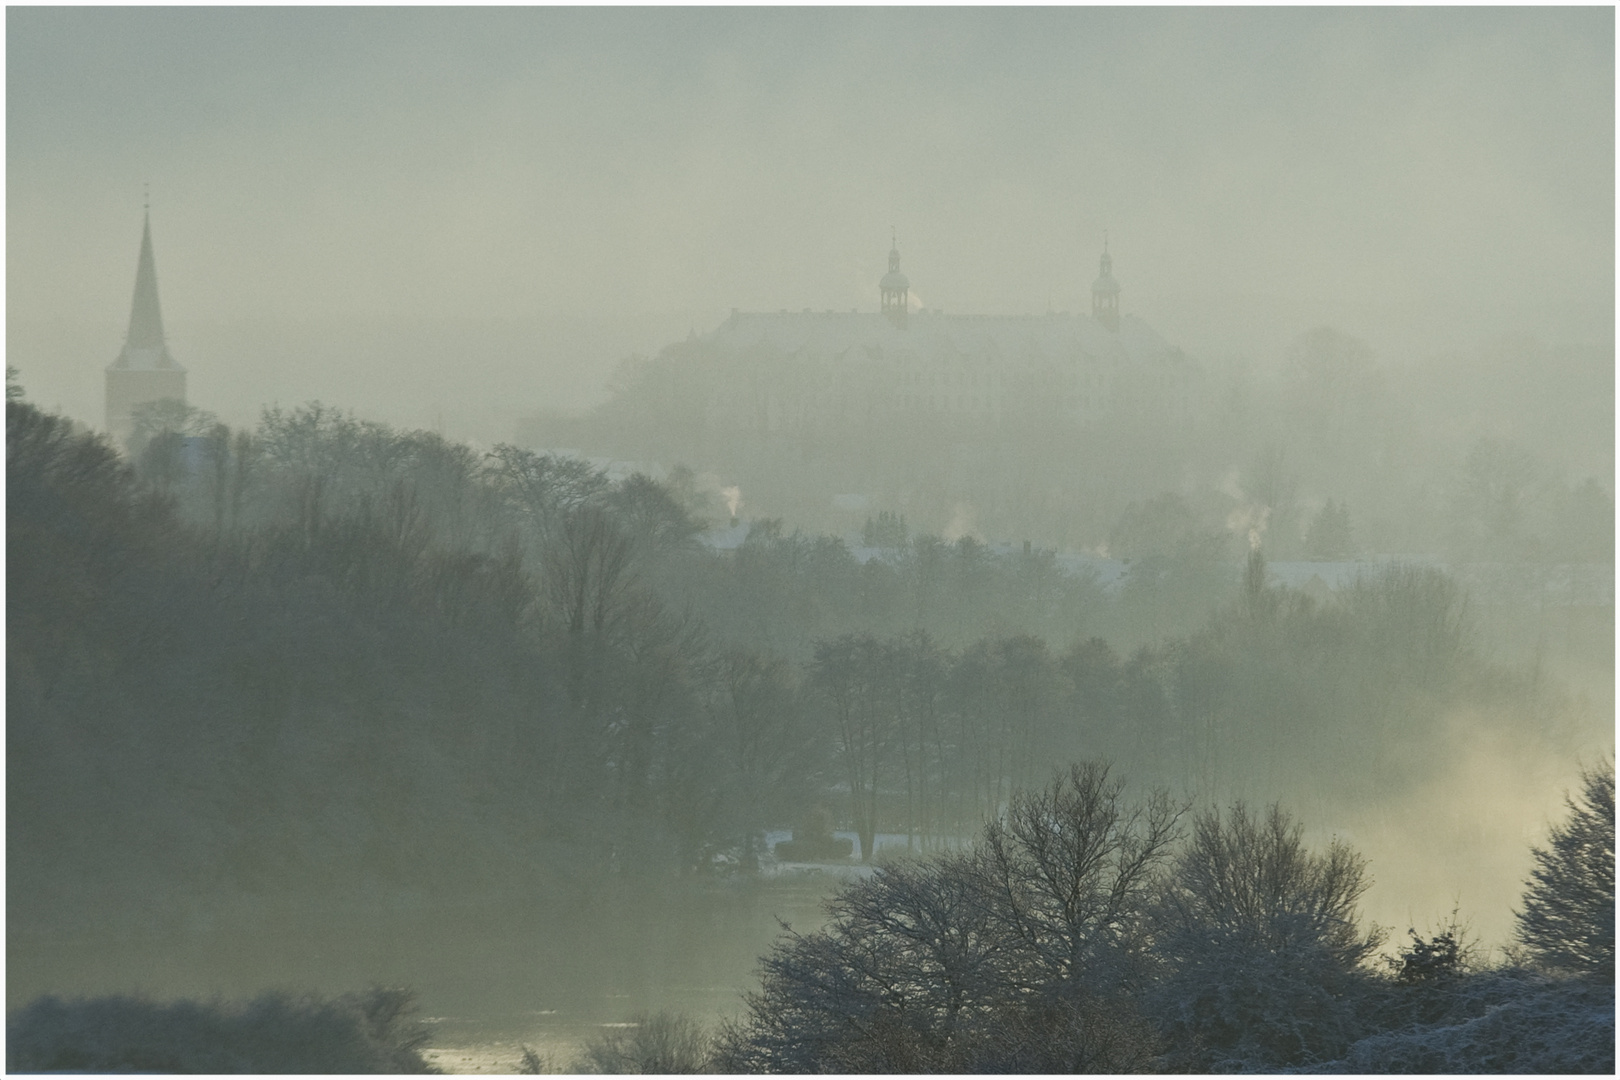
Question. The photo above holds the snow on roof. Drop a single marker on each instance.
(1563, 585)
(1109, 574)
(1334, 575)
(726, 537)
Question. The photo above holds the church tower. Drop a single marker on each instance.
(144, 371)
(895, 288)
(1105, 293)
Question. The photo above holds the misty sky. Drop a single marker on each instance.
(403, 210)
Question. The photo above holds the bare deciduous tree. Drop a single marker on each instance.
(1015, 956)
(1072, 870)
(660, 1044)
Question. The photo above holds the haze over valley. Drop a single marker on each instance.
(513, 503)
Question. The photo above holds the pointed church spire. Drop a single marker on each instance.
(145, 316)
(144, 371)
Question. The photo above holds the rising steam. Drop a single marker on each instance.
(1251, 519)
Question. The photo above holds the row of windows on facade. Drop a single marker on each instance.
(894, 291)
(932, 376)
(825, 403)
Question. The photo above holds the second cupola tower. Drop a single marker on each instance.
(895, 288)
(1105, 292)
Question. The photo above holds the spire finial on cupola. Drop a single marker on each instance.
(1105, 291)
(895, 288)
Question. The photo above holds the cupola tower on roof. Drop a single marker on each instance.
(144, 371)
(895, 288)
(1105, 292)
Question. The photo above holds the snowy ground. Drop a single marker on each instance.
(884, 844)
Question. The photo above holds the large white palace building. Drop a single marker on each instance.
(815, 369)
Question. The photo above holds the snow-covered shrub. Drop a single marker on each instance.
(1429, 960)
(1082, 1033)
(1425, 978)
(660, 1044)
(1261, 955)
(369, 1032)
(1499, 1022)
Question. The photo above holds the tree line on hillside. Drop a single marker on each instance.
(333, 657)
(324, 653)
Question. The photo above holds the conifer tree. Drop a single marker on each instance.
(1568, 916)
